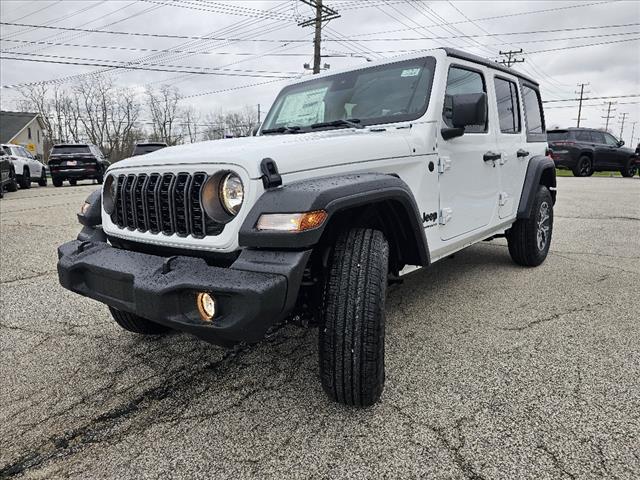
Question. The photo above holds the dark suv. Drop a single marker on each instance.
(73, 162)
(586, 150)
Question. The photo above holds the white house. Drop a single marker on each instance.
(23, 128)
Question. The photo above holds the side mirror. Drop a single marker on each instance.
(463, 110)
(620, 143)
(254, 132)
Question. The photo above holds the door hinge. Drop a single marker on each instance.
(444, 164)
(502, 198)
(445, 216)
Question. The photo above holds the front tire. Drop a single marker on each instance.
(629, 169)
(57, 182)
(584, 167)
(73, 182)
(134, 323)
(43, 179)
(351, 339)
(529, 239)
(25, 181)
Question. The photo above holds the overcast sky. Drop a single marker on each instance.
(259, 40)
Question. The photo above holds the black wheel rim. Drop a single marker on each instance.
(585, 167)
(544, 226)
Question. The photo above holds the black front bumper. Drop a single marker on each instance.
(259, 288)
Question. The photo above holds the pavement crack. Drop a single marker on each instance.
(30, 277)
(556, 461)
(551, 318)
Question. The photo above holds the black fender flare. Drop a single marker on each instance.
(540, 171)
(334, 194)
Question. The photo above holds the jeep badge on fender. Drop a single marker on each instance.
(353, 179)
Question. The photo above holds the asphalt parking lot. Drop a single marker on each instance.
(493, 371)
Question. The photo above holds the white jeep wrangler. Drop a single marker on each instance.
(354, 179)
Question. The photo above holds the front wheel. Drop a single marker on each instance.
(134, 323)
(57, 182)
(25, 181)
(42, 181)
(73, 182)
(351, 339)
(630, 168)
(529, 239)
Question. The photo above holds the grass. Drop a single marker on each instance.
(567, 173)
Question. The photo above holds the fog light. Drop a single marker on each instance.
(85, 208)
(206, 306)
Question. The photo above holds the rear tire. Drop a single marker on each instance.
(57, 182)
(12, 186)
(134, 323)
(529, 239)
(43, 179)
(25, 181)
(584, 167)
(73, 182)
(630, 168)
(351, 338)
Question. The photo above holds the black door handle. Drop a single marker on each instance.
(522, 153)
(491, 156)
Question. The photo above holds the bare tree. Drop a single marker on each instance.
(190, 124)
(164, 110)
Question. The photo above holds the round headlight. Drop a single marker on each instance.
(231, 193)
(109, 194)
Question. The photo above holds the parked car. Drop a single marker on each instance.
(142, 148)
(355, 179)
(586, 150)
(73, 162)
(26, 167)
(7, 174)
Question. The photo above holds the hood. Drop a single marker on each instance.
(292, 152)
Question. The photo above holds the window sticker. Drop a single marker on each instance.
(303, 108)
(410, 72)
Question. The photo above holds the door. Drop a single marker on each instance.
(511, 144)
(615, 155)
(468, 184)
(602, 155)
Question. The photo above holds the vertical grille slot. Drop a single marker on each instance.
(167, 220)
(139, 202)
(167, 203)
(150, 194)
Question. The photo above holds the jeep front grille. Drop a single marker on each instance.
(166, 203)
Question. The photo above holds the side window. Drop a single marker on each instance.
(598, 137)
(29, 132)
(460, 81)
(508, 106)
(610, 140)
(532, 110)
(584, 136)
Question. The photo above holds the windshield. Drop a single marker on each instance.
(388, 93)
(555, 135)
(69, 149)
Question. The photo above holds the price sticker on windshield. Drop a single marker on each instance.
(410, 72)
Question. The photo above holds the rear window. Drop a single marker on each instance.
(69, 149)
(556, 135)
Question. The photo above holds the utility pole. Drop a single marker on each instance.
(511, 57)
(633, 130)
(258, 114)
(582, 92)
(608, 116)
(624, 115)
(322, 15)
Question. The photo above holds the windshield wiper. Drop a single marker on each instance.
(292, 129)
(351, 122)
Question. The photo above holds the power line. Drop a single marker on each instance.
(270, 40)
(133, 67)
(593, 98)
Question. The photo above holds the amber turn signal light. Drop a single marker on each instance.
(291, 222)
